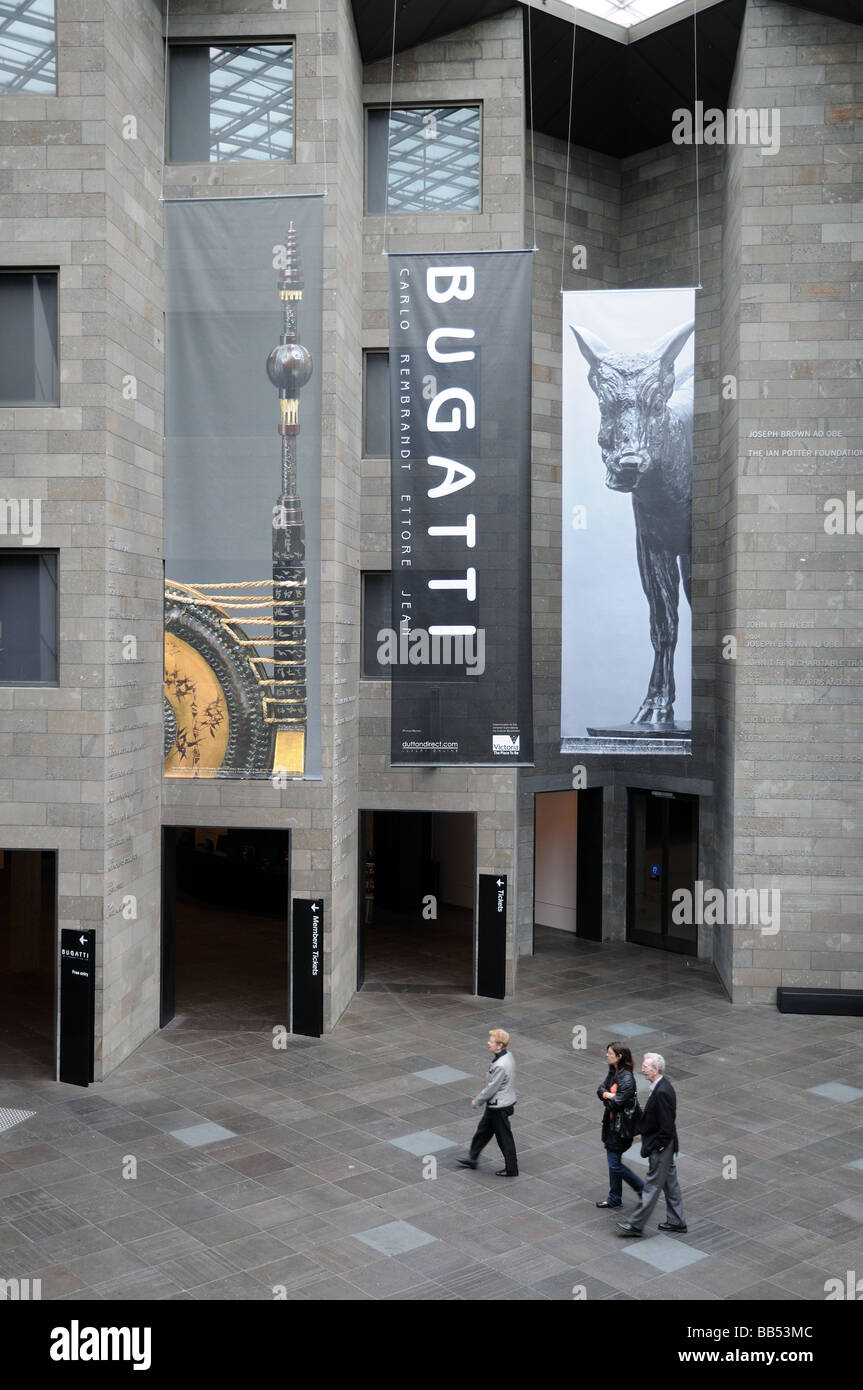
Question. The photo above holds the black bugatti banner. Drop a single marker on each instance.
(459, 640)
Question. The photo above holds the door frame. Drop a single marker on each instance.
(588, 863)
(361, 851)
(664, 941)
(168, 937)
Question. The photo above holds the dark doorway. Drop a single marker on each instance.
(662, 857)
(28, 958)
(416, 911)
(567, 866)
(225, 912)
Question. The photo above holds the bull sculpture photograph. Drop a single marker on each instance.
(645, 442)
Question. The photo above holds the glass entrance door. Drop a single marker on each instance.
(663, 856)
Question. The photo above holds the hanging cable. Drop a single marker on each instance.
(320, 28)
(568, 144)
(386, 246)
(164, 103)
(695, 142)
(530, 102)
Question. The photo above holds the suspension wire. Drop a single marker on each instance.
(568, 144)
(695, 142)
(164, 103)
(386, 246)
(320, 28)
(530, 102)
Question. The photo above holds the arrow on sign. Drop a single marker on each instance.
(500, 883)
(83, 940)
(314, 907)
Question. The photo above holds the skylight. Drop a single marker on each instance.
(623, 12)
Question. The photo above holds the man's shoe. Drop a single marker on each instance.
(612, 1206)
(502, 1173)
(467, 1163)
(626, 1229)
(666, 1226)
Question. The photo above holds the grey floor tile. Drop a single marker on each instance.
(332, 1288)
(423, 1142)
(382, 1278)
(395, 1237)
(441, 1076)
(105, 1265)
(197, 1136)
(837, 1090)
(249, 1252)
(664, 1253)
(766, 1292)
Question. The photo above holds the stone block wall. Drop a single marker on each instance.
(796, 247)
(80, 772)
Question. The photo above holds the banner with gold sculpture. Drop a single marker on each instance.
(243, 493)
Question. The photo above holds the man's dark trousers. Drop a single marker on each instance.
(661, 1178)
(496, 1123)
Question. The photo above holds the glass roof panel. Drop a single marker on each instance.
(623, 12)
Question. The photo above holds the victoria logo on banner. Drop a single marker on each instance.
(627, 505)
(460, 361)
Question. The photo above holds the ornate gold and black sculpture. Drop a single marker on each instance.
(232, 710)
(289, 367)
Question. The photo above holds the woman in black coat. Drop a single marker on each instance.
(616, 1093)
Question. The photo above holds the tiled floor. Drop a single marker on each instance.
(328, 1170)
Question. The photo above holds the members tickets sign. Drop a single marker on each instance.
(627, 500)
(459, 643)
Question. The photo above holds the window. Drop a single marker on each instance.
(28, 337)
(376, 404)
(28, 614)
(377, 614)
(231, 103)
(433, 159)
(28, 60)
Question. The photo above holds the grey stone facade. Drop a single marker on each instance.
(776, 732)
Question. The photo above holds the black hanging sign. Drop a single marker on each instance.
(491, 936)
(307, 967)
(77, 1005)
(459, 640)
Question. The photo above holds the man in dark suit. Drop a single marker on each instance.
(659, 1146)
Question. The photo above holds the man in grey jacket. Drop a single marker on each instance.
(498, 1097)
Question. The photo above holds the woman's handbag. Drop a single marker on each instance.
(626, 1122)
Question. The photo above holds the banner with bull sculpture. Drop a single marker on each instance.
(459, 643)
(627, 501)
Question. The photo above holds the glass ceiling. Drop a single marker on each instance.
(623, 12)
(27, 46)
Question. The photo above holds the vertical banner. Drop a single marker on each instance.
(627, 502)
(460, 639)
(243, 493)
(307, 968)
(77, 1005)
(491, 937)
